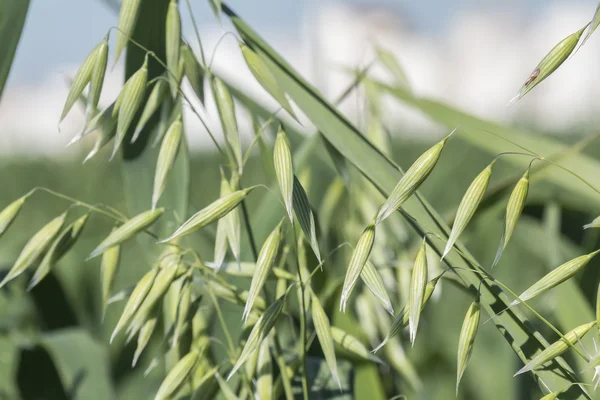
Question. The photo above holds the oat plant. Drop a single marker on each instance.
(315, 276)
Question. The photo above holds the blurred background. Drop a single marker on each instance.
(473, 55)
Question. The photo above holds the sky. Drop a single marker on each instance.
(61, 32)
(471, 53)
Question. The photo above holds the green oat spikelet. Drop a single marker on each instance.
(360, 255)
(128, 230)
(410, 182)
(468, 205)
(466, 340)
(35, 247)
(417, 291)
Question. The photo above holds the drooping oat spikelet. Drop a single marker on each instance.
(183, 308)
(108, 270)
(555, 277)
(129, 102)
(417, 291)
(9, 214)
(166, 159)
(265, 77)
(557, 348)
(127, 20)
(594, 224)
(161, 284)
(264, 380)
(259, 332)
(177, 376)
(128, 230)
(62, 244)
(466, 340)
(135, 300)
(551, 396)
(374, 282)
(401, 320)
(226, 109)
(233, 221)
(192, 70)
(108, 131)
(264, 263)
(514, 208)
(221, 235)
(211, 213)
(173, 44)
(323, 329)
(592, 25)
(468, 205)
(35, 247)
(83, 78)
(352, 345)
(550, 62)
(97, 79)
(360, 255)
(410, 182)
(145, 334)
(305, 216)
(102, 121)
(284, 169)
(155, 100)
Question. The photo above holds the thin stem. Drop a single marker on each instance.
(249, 230)
(223, 324)
(197, 32)
(571, 173)
(212, 57)
(576, 148)
(302, 322)
(118, 216)
(285, 381)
